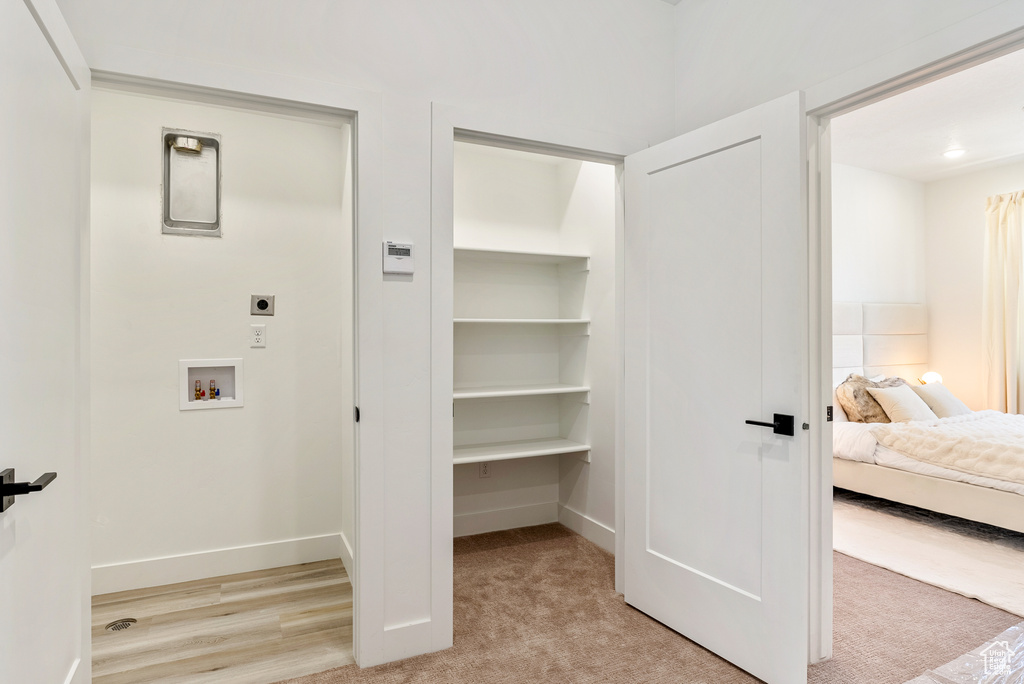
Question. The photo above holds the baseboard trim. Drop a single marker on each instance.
(588, 528)
(73, 671)
(347, 555)
(154, 572)
(407, 640)
(505, 519)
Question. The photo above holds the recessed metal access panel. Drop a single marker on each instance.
(191, 196)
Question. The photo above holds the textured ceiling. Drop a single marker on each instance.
(978, 110)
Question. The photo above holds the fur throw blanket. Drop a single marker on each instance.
(857, 402)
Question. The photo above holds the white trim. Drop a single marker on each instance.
(347, 555)
(505, 519)
(408, 639)
(154, 572)
(118, 64)
(73, 671)
(58, 35)
(974, 40)
(620, 379)
(819, 250)
(587, 527)
(984, 36)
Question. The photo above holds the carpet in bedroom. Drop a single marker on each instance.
(972, 559)
(539, 605)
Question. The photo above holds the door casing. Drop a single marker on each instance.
(363, 111)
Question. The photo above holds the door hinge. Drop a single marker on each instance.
(828, 414)
(357, 413)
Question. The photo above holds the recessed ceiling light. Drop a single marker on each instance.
(953, 154)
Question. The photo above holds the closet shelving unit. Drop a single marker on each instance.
(520, 354)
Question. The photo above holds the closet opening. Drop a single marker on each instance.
(535, 347)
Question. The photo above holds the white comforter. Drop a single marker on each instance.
(987, 443)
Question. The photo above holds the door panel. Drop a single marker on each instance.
(716, 334)
(44, 535)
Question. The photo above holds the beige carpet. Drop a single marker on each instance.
(998, 661)
(538, 605)
(975, 560)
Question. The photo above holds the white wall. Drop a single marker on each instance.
(878, 237)
(955, 260)
(898, 240)
(734, 54)
(604, 66)
(618, 66)
(184, 494)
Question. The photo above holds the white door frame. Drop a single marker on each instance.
(206, 83)
(940, 55)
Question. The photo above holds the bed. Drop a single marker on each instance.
(890, 340)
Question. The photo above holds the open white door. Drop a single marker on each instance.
(44, 566)
(716, 335)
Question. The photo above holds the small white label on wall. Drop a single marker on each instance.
(398, 258)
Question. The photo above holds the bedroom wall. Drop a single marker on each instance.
(178, 495)
(955, 210)
(878, 237)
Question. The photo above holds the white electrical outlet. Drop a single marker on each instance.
(485, 470)
(258, 336)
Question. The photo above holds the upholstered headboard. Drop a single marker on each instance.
(879, 339)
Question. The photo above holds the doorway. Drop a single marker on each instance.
(272, 479)
(910, 178)
(534, 341)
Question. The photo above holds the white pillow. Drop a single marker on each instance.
(941, 400)
(901, 403)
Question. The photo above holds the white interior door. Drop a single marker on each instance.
(716, 334)
(44, 597)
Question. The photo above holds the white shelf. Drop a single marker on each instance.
(514, 256)
(520, 321)
(528, 448)
(517, 390)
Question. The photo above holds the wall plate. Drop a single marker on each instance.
(261, 305)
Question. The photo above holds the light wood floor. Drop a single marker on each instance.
(253, 628)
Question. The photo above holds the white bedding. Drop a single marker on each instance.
(856, 442)
(986, 443)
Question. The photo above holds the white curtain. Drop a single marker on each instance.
(1002, 315)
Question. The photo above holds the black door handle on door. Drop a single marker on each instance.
(781, 424)
(10, 489)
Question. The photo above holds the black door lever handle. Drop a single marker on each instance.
(10, 489)
(780, 425)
